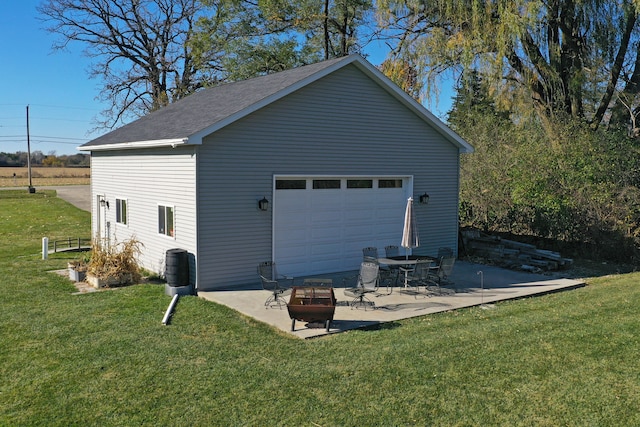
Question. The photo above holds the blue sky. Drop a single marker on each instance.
(55, 85)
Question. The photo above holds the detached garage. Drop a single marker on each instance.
(305, 167)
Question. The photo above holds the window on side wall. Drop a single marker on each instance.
(121, 211)
(166, 220)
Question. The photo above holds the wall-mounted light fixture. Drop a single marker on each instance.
(104, 202)
(424, 199)
(263, 204)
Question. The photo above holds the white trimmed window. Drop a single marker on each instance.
(166, 220)
(121, 211)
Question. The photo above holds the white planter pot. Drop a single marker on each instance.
(76, 275)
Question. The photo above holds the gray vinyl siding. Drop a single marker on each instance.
(343, 124)
(147, 178)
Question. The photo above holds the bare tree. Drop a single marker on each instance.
(139, 49)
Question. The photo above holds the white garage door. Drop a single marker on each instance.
(321, 224)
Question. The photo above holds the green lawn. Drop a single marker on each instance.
(105, 358)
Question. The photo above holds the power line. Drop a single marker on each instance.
(43, 136)
(66, 107)
(59, 119)
(41, 119)
(54, 142)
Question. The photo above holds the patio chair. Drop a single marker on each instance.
(369, 253)
(367, 283)
(275, 283)
(419, 274)
(443, 251)
(386, 277)
(439, 274)
(391, 251)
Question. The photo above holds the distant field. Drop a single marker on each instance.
(42, 176)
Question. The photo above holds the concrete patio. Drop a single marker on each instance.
(475, 284)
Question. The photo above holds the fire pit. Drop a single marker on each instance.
(312, 304)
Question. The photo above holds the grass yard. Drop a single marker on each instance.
(105, 359)
(43, 176)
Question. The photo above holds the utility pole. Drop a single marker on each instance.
(31, 189)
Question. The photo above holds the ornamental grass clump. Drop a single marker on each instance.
(115, 260)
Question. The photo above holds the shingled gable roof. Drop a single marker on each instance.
(190, 119)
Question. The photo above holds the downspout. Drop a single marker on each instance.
(172, 305)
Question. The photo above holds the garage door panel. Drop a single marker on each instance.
(359, 213)
(296, 207)
(327, 218)
(388, 214)
(295, 218)
(323, 231)
(325, 196)
(294, 200)
(362, 195)
(355, 245)
(359, 234)
(294, 235)
(298, 247)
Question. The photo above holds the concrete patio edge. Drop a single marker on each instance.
(475, 285)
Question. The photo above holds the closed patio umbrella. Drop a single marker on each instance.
(410, 232)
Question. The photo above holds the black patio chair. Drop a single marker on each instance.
(419, 274)
(443, 251)
(275, 283)
(391, 251)
(369, 253)
(387, 274)
(439, 274)
(367, 283)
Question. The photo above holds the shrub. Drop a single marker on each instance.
(558, 180)
(115, 260)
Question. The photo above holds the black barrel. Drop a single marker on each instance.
(177, 267)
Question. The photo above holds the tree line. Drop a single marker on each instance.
(538, 57)
(558, 181)
(548, 90)
(38, 158)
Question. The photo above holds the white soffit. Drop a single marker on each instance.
(140, 144)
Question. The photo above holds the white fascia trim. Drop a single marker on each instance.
(140, 144)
